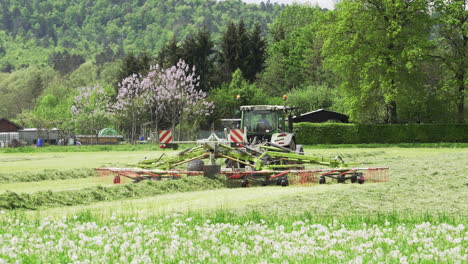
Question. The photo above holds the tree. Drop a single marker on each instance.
(256, 58)
(225, 97)
(177, 87)
(294, 55)
(229, 49)
(105, 56)
(65, 62)
(90, 110)
(21, 89)
(243, 48)
(7, 21)
(129, 105)
(170, 54)
(133, 64)
(376, 48)
(198, 51)
(452, 43)
(169, 94)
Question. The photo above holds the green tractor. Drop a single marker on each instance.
(269, 123)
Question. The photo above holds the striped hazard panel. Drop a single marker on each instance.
(236, 135)
(165, 136)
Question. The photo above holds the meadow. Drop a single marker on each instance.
(418, 216)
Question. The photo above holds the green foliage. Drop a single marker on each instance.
(294, 58)
(311, 98)
(64, 62)
(332, 133)
(20, 90)
(451, 52)
(224, 98)
(133, 64)
(12, 200)
(198, 51)
(241, 49)
(90, 110)
(377, 54)
(31, 31)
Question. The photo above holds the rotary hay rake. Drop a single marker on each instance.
(266, 163)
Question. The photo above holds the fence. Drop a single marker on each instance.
(7, 139)
(100, 140)
(202, 134)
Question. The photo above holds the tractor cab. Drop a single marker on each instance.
(263, 122)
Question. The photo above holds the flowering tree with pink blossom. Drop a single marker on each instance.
(168, 94)
(176, 94)
(90, 110)
(130, 103)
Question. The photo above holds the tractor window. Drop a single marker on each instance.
(260, 121)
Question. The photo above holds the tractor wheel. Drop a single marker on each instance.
(341, 179)
(299, 149)
(284, 182)
(195, 165)
(292, 145)
(354, 178)
(244, 183)
(138, 179)
(360, 180)
(322, 180)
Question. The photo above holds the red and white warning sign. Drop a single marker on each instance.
(165, 136)
(236, 135)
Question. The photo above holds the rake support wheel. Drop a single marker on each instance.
(195, 165)
(244, 183)
(211, 170)
(322, 180)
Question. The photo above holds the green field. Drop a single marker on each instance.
(427, 191)
(35, 162)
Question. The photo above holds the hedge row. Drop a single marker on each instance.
(333, 133)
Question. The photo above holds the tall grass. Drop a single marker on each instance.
(227, 237)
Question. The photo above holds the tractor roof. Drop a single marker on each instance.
(265, 107)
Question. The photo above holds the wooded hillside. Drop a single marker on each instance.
(32, 31)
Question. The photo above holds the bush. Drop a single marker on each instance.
(332, 133)
(311, 98)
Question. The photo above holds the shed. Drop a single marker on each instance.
(7, 126)
(320, 116)
(30, 135)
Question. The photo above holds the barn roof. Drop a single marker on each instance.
(8, 121)
(320, 116)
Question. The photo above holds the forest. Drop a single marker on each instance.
(84, 65)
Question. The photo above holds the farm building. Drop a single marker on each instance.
(30, 135)
(9, 135)
(6, 126)
(320, 116)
